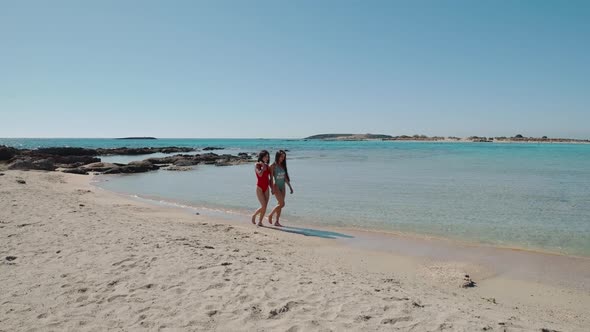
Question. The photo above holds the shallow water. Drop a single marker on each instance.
(534, 196)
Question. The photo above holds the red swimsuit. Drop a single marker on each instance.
(263, 181)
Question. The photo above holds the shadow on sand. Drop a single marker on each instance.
(312, 232)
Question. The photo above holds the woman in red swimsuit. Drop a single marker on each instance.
(263, 175)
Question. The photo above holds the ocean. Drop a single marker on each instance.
(522, 195)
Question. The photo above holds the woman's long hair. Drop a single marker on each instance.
(284, 164)
(261, 155)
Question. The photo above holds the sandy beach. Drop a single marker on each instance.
(78, 258)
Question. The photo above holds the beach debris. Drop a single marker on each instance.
(212, 313)
(10, 258)
(417, 305)
(21, 181)
(197, 213)
(467, 282)
(81, 205)
(491, 300)
(548, 330)
(363, 318)
(275, 312)
(209, 247)
(395, 320)
(225, 263)
(1, 174)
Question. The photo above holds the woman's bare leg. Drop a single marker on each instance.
(262, 198)
(264, 206)
(280, 196)
(280, 206)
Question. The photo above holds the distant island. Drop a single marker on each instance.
(349, 137)
(137, 138)
(423, 138)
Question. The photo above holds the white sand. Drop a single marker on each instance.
(89, 260)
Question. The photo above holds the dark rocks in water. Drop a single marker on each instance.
(211, 148)
(76, 170)
(6, 152)
(21, 164)
(133, 167)
(65, 151)
(99, 167)
(183, 162)
(75, 161)
(44, 164)
(139, 151)
(137, 137)
(83, 161)
(28, 163)
(139, 167)
(174, 149)
(178, 168)
(206, 158)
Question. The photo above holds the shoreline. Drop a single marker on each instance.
(88, 259)
(418, 246)
(237, 215)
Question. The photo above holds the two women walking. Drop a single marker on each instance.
(275, 177)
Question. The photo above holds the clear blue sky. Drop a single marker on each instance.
(294, 68)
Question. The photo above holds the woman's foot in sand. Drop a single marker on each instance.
(278, 224)
(254, 219)
(270, 218)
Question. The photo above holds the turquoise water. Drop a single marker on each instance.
(534, 196)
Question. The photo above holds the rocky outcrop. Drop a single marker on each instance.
(178, 168)
(6, 152)
(347, 137)
(21, 164)
(211, 148)
(210, 158)
(84, 161)
(77, 170)
(30, 163)
(64, 151)
(100, 167)
(139, 151)
(44, 164)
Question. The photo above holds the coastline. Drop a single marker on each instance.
(507, 261)
(238, 215)
(161, 267)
